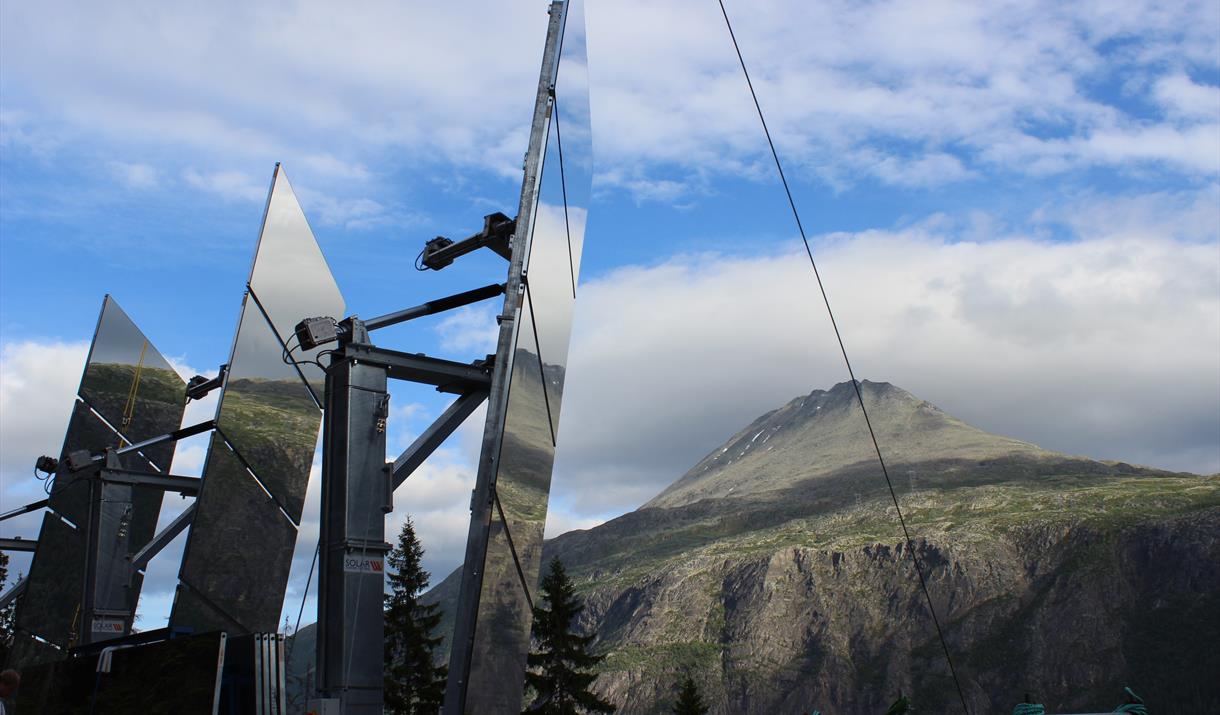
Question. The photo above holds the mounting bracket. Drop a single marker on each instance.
(497, 234)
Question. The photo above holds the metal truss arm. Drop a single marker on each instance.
(188, 486)
(496, 233)
(24, 509)
(436, 434)
(174, 436)
(445, 375)
(162, 539)
(18, 544)
(13, 593)
(433, 307)
(169, 437)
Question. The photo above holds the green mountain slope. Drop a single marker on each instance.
(775, 572)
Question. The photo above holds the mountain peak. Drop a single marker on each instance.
(824, 431)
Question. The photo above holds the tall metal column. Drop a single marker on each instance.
(108, 599)
(358, 488)
(467, 610)
(356, 495)
(107, 608)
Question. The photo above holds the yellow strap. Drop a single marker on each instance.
(129, 409)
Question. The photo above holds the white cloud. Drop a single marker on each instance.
(18, 129)
(1106, 346)
(230, 185)
(281, 80)
(928, 170)
(38, 382)
(135, 176)
(1185, 216)
(1184, 98)
(349, 213)
(335, 168)
(437, 498)
(912, 93)
(469, 329)
(913, 81)
(560, 520)
(1195, 149)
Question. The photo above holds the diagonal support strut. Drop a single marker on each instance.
(162, 539)
(436, 434)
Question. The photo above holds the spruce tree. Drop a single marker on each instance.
(901, 706)
(560, 665)
(413, 683)
(6, 614)
(690, 702)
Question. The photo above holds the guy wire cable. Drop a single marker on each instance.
(304, 595)
(923, 584)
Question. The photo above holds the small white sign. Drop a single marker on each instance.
(105, 625)
(358, 563)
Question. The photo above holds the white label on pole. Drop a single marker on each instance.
(359, 563)
(105, 625)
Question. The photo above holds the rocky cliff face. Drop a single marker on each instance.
(1068, 610)
(775, 572)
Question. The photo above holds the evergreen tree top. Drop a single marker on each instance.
(901, 706)
(413, 683)
(407, 575)
(690, 702)
(562, 661)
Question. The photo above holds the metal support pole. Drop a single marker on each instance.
(356, 495)
(467, 610)
(24, 509)
(433, 307)
(174, 436)
(106, 608)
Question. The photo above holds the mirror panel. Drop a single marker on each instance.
(49, 607)
(239, 551)
(290, 278)
(236, 565)
(131, 385)
(267, 414)
(531, 425)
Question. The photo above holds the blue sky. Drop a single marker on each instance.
(1016, 208)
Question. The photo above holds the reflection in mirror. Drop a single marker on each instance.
(52, 597)
(236, 564)
(522, 481)
(522, 486)
(557, 238)
(266, 413)
(139, 393)
(131, 385)
(290, 279)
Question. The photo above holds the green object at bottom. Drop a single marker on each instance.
(1134, 704)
